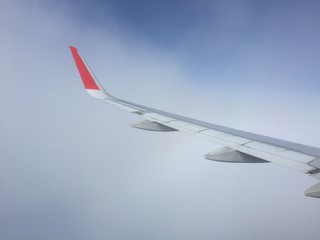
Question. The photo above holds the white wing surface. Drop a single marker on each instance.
(238, 146)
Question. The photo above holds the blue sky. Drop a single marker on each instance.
(73, 168)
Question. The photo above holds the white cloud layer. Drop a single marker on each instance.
(72, 168)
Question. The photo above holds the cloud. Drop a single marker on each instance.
(72, 167)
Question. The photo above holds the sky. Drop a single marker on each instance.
(73, 168)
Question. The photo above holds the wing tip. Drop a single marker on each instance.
(86, 75)
(73, 48)
(90, 83)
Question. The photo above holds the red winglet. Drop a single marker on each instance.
(86, 75)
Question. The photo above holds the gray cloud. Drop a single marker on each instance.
(72, 168)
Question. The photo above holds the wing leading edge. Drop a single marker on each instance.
(239, 146)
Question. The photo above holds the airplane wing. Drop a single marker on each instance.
(238, 146)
